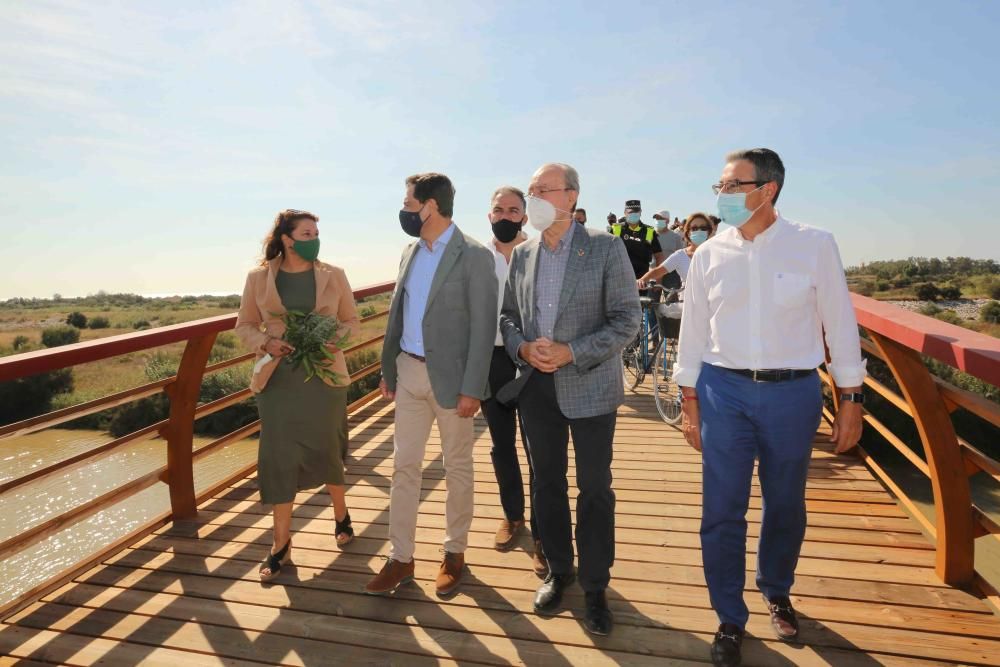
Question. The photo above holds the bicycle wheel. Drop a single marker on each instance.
(632, 370)
(666, 393)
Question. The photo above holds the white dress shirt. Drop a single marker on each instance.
(502, 267)
(765, 304)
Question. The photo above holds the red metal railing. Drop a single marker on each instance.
(901, 339)
(178, 429)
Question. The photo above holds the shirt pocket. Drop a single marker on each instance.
(792, 289)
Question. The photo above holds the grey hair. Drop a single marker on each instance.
(570, 175)
(510, 190)
(767, 166)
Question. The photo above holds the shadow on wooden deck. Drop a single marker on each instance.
(866, 588)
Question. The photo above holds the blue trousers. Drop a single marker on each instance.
(774, 423)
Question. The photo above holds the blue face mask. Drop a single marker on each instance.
(633, 218)
(698, 236)
(733, 207)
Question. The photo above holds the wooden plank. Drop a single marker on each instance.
(637, 530)
(65, 648)
(511, 571)
(225, 642)
(625, 514)
(244, 491)
(491, 608)
(335, 619)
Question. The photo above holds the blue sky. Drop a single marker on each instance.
(147, 146)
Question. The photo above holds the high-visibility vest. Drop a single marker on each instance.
(616, 230)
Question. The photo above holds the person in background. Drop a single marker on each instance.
(435, 366)
(580, 215)
(507, 220)
(698, 228)
(569, 309)
(670, 242)
(641, 241)
(303, 434)
(761, 299)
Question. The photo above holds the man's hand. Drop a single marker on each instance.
(691, 422)
(846, 427)
(467, 406)
(556, 354)
(384, 388)
(535, 354)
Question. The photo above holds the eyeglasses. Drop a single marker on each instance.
(539, 193)
(731, 186)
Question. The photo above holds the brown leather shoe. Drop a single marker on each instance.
(538, 561)
(507, 533)
(393, 575)
(450, 574)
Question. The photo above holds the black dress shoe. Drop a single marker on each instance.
(598, 616)
(726, 647)
(783, 619)
(549, 595)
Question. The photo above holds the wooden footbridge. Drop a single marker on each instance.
(879, 581)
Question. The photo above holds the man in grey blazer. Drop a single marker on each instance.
(569, 308)
(435, 365)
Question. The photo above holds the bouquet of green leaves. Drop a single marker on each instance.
(310, 334)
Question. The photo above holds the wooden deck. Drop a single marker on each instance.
(866, 589)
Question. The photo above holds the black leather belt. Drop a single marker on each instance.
(777, 375)
(422, 360)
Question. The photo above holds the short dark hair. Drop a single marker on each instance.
(581, 210)
(767, 166)
(434, 186)
(510, 190)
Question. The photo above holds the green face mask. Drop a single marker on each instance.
(307, 250)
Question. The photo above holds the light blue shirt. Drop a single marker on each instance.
(417, 289)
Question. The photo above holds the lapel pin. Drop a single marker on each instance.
(580, 252)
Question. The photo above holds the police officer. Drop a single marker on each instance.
(640, 240)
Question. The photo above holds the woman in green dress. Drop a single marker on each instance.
(303, 437)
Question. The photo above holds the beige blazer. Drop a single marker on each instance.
(261, 308)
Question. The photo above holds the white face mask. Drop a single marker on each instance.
(541, 213)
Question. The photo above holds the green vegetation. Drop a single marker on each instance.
(77, 319)
(990, 313)
(56, 336)
(926, 279)
(28, 324)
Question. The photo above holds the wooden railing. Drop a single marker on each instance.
(901, 339)
(177, 430)
(897, 337)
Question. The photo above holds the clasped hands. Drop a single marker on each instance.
(546, 355)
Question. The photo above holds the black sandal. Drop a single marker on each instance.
(273, 562)
(344, 528)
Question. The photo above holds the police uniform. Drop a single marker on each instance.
(641, 242)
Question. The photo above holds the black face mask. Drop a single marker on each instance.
(411, 222)
(506, 230)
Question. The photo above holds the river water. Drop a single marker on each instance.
(48, 497)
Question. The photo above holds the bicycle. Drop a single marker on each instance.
(637, 360)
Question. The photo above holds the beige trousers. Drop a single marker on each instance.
(416, 410)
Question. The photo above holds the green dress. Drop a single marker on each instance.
(303, 435)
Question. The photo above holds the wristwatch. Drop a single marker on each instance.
(857, 397)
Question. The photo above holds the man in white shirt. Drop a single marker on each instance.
(671, 240)
(507, 218)
(759, 297)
